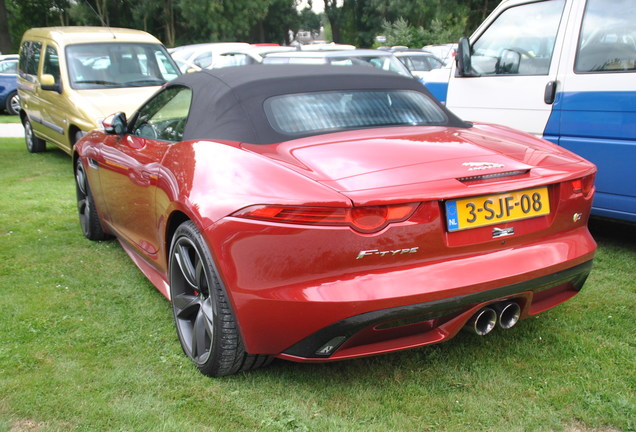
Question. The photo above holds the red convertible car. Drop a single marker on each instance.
(320, 213)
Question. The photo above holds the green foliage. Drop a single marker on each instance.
(180, 22)
(88, 344)
(175, 22)
(401, 33)
(309, 20)
(9, 119)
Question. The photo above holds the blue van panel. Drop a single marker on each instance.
(601, 127)
(439, 89)
(594, 115)
(615, 206)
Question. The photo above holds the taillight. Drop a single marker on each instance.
(368, 219)
(583, 185)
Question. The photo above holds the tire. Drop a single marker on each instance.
(89, 219)
(12, 105)
(76, 137)
(33, 143)
(203, 316)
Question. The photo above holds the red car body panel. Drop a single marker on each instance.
(289, 281)
(295, 287)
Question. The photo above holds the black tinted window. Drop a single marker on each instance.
(325, 111)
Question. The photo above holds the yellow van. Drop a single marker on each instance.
(70, 78)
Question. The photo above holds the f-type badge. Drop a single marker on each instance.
(502, 232)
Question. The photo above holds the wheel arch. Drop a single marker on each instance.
(72, 130)
(23, 116)
(176, 218)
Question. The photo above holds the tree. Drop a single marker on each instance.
(361, 22)
(335, 16)
(281, 17)
(309, 20)
(32, 13)
(5, 37)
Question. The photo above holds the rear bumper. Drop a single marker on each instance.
(431, 322)
(290, 287)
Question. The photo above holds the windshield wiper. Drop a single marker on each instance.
(145, 82)
(101, 82)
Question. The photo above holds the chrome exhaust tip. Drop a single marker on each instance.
(509, 314)
(483, 322)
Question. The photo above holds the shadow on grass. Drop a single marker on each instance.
(614, 232)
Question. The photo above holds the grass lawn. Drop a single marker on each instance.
(88, 344)
(4, 118)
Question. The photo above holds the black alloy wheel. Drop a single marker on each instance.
(204, 319)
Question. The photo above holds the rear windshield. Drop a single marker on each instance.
(337, 110)
(109, 65)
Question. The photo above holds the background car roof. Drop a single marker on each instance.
(228, 103)
(342, 53)
(88, 34)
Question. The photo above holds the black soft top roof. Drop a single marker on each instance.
(228, 102)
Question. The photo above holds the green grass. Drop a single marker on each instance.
(87, 344)
(4, 118)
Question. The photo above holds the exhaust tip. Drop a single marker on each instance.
(509, 314)
(483, 322)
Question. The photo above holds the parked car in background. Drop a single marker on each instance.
(326, 46)
(264, 49)
(214, 55)
(378, 59)
(320, 213)
(444, 52)
(418, 61)
(564, 70)
(432, 71)
(70, 78)
(9, 99)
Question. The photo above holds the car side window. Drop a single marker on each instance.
(164, 116)
(607, 42)
(29, 59)
(203, 60)
(9, 67)
(51, 64)
(520, 41)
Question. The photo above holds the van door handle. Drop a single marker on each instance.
(550, 92)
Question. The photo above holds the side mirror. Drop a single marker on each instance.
(509, 62)
(47, 82)
(115, 124)
(463, 60)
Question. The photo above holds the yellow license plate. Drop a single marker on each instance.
(486, 210)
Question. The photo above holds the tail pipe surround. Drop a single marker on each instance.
(508, 314)
(484, 321)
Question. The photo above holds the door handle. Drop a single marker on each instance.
(550, 92)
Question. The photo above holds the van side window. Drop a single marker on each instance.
(51, 63)
(607, 42)
(29, 59)
(520, 41)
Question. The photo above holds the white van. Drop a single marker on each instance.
(564, 70)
